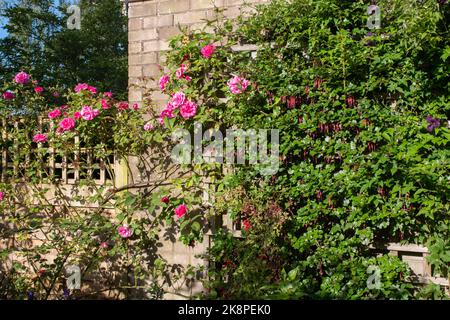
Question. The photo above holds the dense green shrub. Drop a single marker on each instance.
(364, 147)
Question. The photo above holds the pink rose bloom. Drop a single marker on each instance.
(22, 78)
(180, 71)
(81, 86)
(178, 99)
(237, 85)
(2, 195)
(38, 89)
(135, 106)
(166, 113)
(87, 113)
(104, 104)
(8, 95)
(163, 81)
(67, 124)
(40, 138)
(104, 245)
(148, 126)
(208, 50)
(188, 109)
(188, 78)
(125, 231)
(77, 115)
(92, 89)
(180, 211)
(54, 114)
(108, 94)
(123, 106)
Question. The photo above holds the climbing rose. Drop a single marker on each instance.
(8, 95)
(163, 81)
(188, 109)
(148, 126)
(77, 115)
(108, 94)
(2, 195)
(40, 138)
(67, 124)
(166, 113)
(104, 104)
(123, 106)
(81, 86)
(135, 106)
(125, 231)
(208, 50)
(87, 113)
(54, 114)
(165, 199)
(188, 78)
(180, 71)
(92, 89)
(180, 211)
(178, 99)
(237, 85)
(38, 89)
(22, 78)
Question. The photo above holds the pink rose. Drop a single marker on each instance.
(188, 109)
(67, 124)
(92, 89)
(123, 106)
(39, 138)
(166, 113)
(87, 113)
(38, 89)
(180, 71)
(178, 99)
(148, 126)
(104, 104)
(108, 94)
(22, 78)
(2, 195)
(208, 50)
(125, 231)
(81, 86)
(237, 85)
(180, 211)
(54, 114)
(104, 245)
(188, 78)
(135, 106)
(8, 95)
(77, 115)
(163, 81)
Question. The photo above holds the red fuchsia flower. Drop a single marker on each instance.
(108, 94)
(163, 82)
(54, 114)
(104, 103)
(247, 225)
(237, 85)
(188, 109)
(2, 195)
(77, 115)
(165, 199)
(135, 106)
(180, 211)
(81, 86)
(181, 71)
(8, 95)
(432, 123)
(123, 106)
(104, 245)
(87, 113)
(125, 231)
(67, 124)
(208, 50)
(178, 99)
(40, 137)
(38, 89)
(22, 78)
(148, 126)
